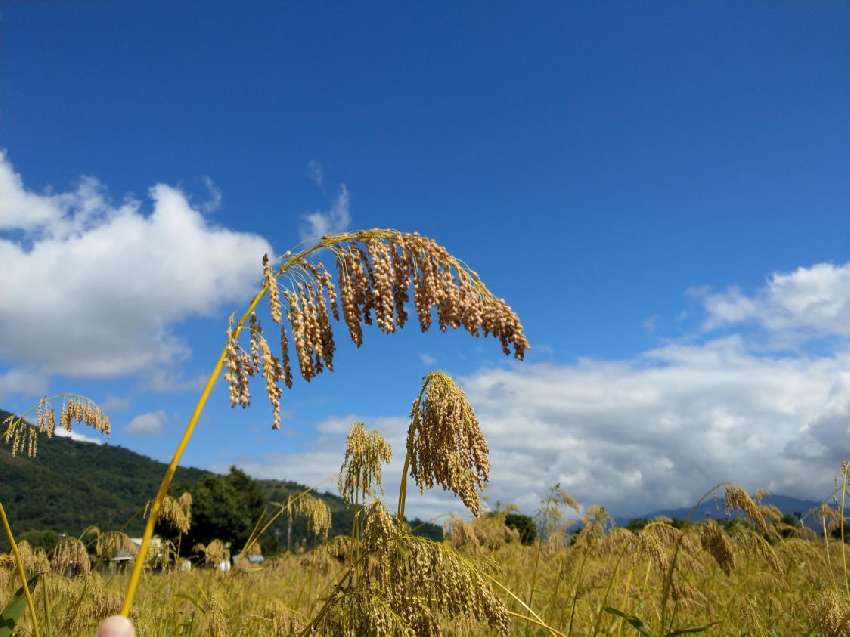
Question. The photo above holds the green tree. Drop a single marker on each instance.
(636, 524)
(41, 539)
(225, 508)
(524, 524)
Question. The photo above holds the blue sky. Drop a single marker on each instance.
(658, 189)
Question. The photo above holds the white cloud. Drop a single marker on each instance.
(635, 435)
(813, 301)
(315, 172)
(336, 219)
(93, 289)
(427, 359)
(115, 403)
(76, 435)
(164, 380)
(147, 424)
(24, 382)
(215, 196)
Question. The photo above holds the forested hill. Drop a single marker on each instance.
(71, 485)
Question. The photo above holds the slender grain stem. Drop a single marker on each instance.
(22, 574)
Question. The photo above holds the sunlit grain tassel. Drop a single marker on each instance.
(271, 287)
(231, 359)
(271, 373)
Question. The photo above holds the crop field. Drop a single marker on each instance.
(567, 571)
(483, 581)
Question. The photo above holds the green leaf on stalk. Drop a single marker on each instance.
(14, 609)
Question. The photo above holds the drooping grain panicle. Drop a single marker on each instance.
(376, 270)
(214, 553)
(22, 436)
(830, 517)
(177, 512)
(271, 286)
(70, 557)
(715, 542)
(317, 514)
(360, 473)
(445, 445)
(738, 499)
(110, 543)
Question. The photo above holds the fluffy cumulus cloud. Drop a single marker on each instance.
(335, 219)
(810, 301)
(92, 288)
(635, 435)
(147, 424)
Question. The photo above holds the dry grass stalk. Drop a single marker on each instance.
(23, 436)
(738, 499)
(365, 452)
(756, 546)
(445, 445)
(70, 557)
(375, 272)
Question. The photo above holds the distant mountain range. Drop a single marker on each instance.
(71, 485)
(714, 508)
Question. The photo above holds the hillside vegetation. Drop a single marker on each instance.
(72, 485)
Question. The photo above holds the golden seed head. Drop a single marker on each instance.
(715, 542)
(444, 441)
(365, 452)
(70, 556)
(21, 435)
(738, 499)
(375, 271)
(177, 512)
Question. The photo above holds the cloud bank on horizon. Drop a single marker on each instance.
(100, 287)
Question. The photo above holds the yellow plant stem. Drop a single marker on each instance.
(402, 489)
(138, 565)
(844, 470)
(153, 514)
(22, 574)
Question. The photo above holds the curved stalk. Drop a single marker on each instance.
(22, 574)
(139, 564)
(293, 260)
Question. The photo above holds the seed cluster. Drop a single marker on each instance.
(177, 512)
(111, 542)
(317, 514)
(738, 499)
(444, 441)
(365, 452)
(376, 270)
(408, 585)
(22, 435)
(829, 613)
(70, 556)
(716, 544)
